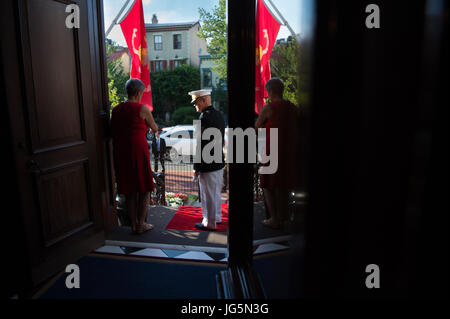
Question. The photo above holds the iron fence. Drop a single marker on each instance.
(178, 176)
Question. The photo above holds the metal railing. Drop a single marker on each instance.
(177, 176)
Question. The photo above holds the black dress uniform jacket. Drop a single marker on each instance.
(211, 117)
(162, 146)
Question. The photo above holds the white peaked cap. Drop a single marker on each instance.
(199, 93)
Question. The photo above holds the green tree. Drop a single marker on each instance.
(214, 31)
(184, 115)
(219, 96)
(116, 76)
(170, 88)
(284, 64)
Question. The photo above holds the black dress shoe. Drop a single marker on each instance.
(202, 227)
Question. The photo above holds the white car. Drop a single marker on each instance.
(180, 141)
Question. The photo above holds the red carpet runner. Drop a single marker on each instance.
(187, 216)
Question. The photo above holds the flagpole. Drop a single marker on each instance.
(283, 19)
(114, 22)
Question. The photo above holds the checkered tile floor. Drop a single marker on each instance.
(186, 254)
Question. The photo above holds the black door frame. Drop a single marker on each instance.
(240, 280)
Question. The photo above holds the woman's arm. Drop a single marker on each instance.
(147, 116)
(262, 117)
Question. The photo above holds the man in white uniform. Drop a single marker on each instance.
(210, 175)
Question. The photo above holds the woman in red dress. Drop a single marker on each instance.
(280, 114)
(130, 121)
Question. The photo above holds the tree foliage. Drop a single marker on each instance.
(214, 31)
(170, 88)
(220, 97)
(116, 77)
(184, 115)
(284, 64)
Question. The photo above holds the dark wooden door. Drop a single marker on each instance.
(52, 98)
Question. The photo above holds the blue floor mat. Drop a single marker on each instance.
(107, 278)
(281, 275)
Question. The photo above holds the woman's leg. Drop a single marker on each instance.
(131, 200)
(270, 198)
(143, 203)
(282, 199)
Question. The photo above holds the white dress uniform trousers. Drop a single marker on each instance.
(210, 192)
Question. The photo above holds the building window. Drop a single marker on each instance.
(177, 63)
(207, 78)
(159, 66)
(176, 41)
(158, 42)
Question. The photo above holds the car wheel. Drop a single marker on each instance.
(173, 155)
(167, 153)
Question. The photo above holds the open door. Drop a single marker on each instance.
(53, 96)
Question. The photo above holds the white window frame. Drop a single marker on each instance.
(155, 43)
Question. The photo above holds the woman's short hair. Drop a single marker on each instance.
(275, 85)
(134, 86)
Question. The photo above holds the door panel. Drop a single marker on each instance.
(58, 167)
(63, 195)
(55, 75)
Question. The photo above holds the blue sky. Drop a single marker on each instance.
(169, 11)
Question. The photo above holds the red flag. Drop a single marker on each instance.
(133, 28)
(267, 28)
